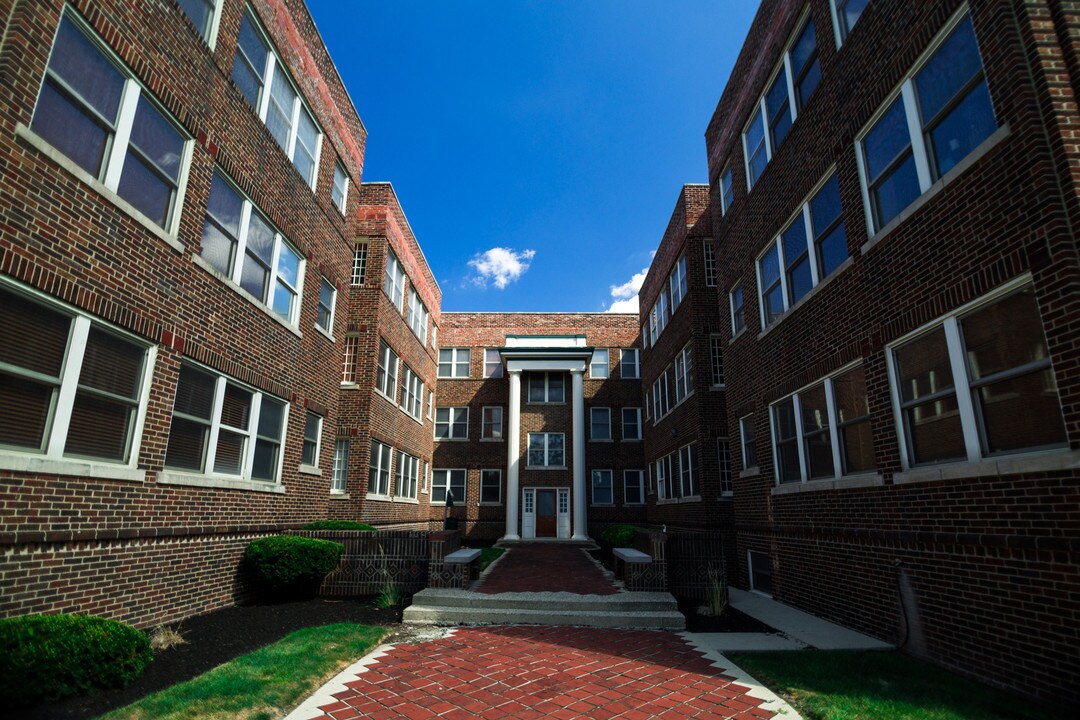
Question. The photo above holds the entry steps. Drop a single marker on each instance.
(640, 610)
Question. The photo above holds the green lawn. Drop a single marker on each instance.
(264, 684)
(489, 555)
(835, 685)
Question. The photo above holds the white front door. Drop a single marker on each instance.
(545, 512)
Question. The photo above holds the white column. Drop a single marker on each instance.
(513, 456)
(581, 527)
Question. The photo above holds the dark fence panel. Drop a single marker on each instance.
(695, 564)
(375, 561)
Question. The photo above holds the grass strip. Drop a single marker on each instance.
(264, 684)
(849, 685)
(489, 555)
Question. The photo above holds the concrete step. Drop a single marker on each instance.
(435, 615)
(621, 602)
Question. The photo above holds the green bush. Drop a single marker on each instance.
(621, 535)
(51, 656)
(290, 564)
(338, 525)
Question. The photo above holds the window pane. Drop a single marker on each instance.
(989, 350)
(555, 387)
(536, 387)
(809, 82)
(816, 436)
(32, 336)
(187, 444)
(86, 70)
(849, 390)
(770, 266)
(1021, 413)
(279, 111)
(804, 63)
(774, 305)
(236, 407)
(923, 366)
(271, 415)
(952, 66)
(936, 434)
(145, 189)
(849, 13)
(895, 192)
(832, 251)
(194, 393)
(27, 407)
(755, 133)
(776, 105)
(888, 138)
(65, 126)
(112, 364)
(959, 132)
(825, 206)
(260, 238)
(252, 47)
(157, 139)
(858, 447)
(264, 463)
(100, 428)
(230, 453)
(225, 205)
(199, 11)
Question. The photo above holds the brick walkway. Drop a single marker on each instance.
(544, 672)
(546, 567)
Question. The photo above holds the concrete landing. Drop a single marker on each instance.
(800, 626)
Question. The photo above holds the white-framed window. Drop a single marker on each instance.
(394, 282)
(629, 364)
(677, 282)
(631, 423)
(647, 403)
(491, 426)
(434, 335)
(645, 335)
(93, 111)
(240, 243)
(379, 469)
(667, 480)
(416, 316)
(845, 13)
(454, 362)
(327, 296)
(749, 445)
(708, 259)
(823, 430)
(789, 89)
(546, 387)
(965, 390)
(603, 490)
(430, 404)
(738, 316)
(427, 477)
(547, 450)
(220, 427)
(257, 68)
(386, 378)
(760, 567)
(359, 264)
(684, 373)
(659, 315)
(350, 348)
(412, 392)
(633, 487)
(599, 367)
(309, 452)
(341, 466)
(661, 393)
(941, 112)
(727, 190)
(493, 367)
(723, 456)
(406, 476)
(716, 357)
(490, 487)
(70, 387)
(688, 471)
(444, 482)
(204, 16)
(452, 423)
(599, 423)
(339, 191)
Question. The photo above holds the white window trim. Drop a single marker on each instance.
(450, 437)
(407, 471)
(350, 361)
(547, 389)
(737, 331)
(412, 393)
(327, 331)
(339, 473)
(546, 465)
(606, 364)
(497, 370)
(498, 486)
(835, 14)
(641, 484)
(455, 360)
(345, 190)
(390, 390)
(592, 427)
(395, 273)
(722, 455)
(640, 427)
(623, 354)
(742, 442)
(729, 172)
(209, 36)
(448, 471)
(358, 264)
(484, 424)
(313, 469)
(592, 487)
(695, 472)
(716, 345)
(378, 471)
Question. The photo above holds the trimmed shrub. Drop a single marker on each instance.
(44, 657)
(338, 525)
(620, 535)
(290, 564)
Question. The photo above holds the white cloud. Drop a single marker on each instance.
(501, 266)
(626, 298)
(624, 306)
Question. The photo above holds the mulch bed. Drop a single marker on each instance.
(213, 639)
(731, 620)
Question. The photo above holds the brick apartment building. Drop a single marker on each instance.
(894, 200)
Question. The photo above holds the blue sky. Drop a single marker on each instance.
(537, 147)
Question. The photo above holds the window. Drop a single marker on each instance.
(723, 456)
(309, 454)
(629, 365)
(201, 15)
(379, 476)
(805, 68)
(257, 67)
(661, 394)
(407, 476)
(430, 404)
(631, 423)
(348, 361)
(394, 284)
(427, 476)
(417, 316)
(964, 389)
(546, 450)
(545, 387)
(241, 244)
(223, 428)
(677, 283)
(709, 261)
(447, 482)
(452, 423)
(853, 422)
(359, 264)
(341, 466)
(688, 471)
(716, 355)
(599, 367)
(738, 317)
(412, 392)
(434, 335)
(492, 423)
(603, 492)
(727, 191)
(645, 335)
(756, 148)
(599, 423)
(666, 480)
(327, 295)
(69, 386)
(633, 487)
(95, 113)
(941, 114)
(493, 367)
(490, 487)
(454, 362)
(760, 571)
(386, 379)
(827, 229)
(684, 374)
(339, 191)
(845, 14)
(749, 446)
(658, 318)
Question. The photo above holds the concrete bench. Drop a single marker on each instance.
(630, 555)
(638, 570)
(462, 557)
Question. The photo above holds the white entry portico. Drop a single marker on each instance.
(545, 353)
